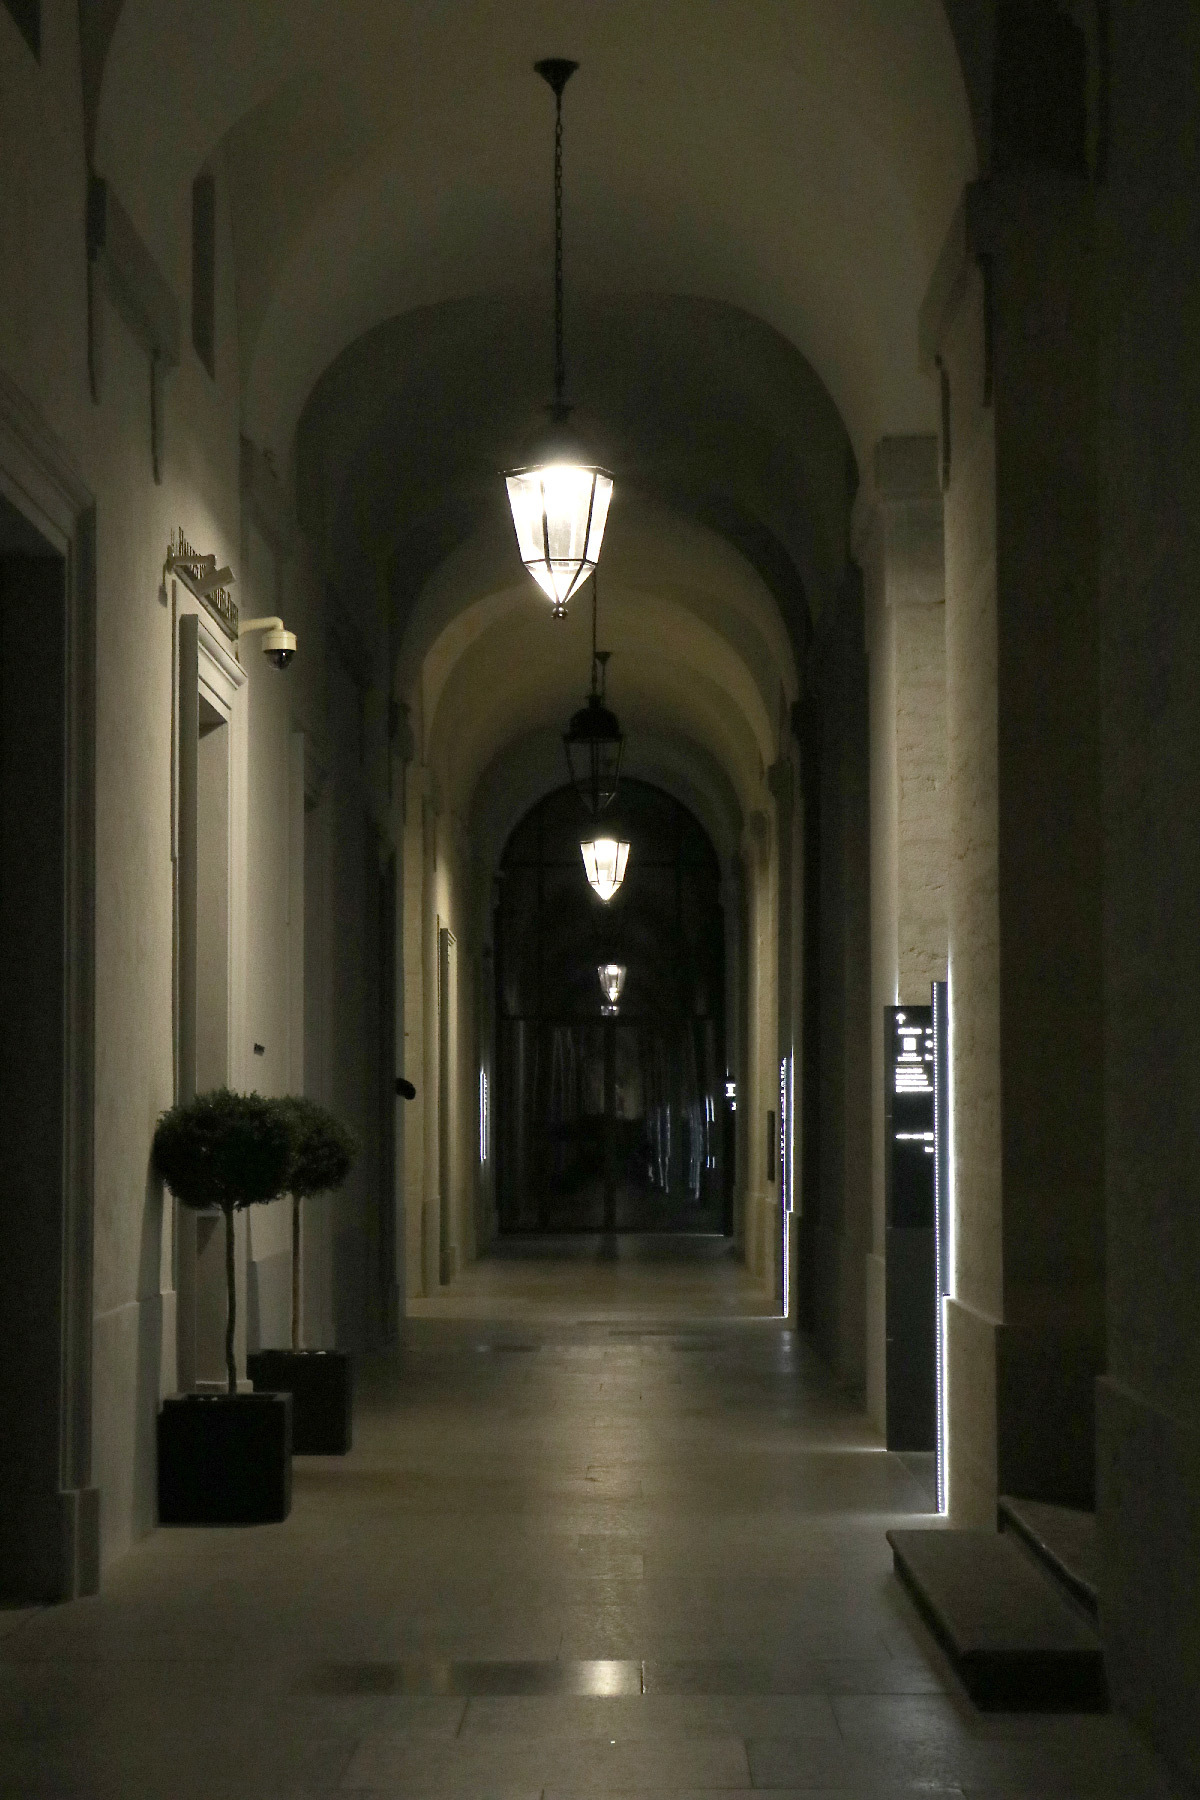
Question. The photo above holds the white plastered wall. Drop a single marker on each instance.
(44, 355)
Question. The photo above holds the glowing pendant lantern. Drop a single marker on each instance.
(604, 860)
(612, 980)
(559, 509)
(559, 497)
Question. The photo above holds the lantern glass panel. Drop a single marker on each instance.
(600, 506)
(559, 512)
(604, 861)
(595, 768)
(612, 980)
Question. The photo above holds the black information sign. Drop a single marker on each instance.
(910, 1194)
(908, 1116)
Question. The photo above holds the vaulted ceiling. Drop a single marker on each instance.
(757, 192)
(797, 162)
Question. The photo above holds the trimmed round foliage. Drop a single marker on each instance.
(224, 1149)
(322, 1148)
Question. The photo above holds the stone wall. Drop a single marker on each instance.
(44, 357)
(1011, 321)
(899, 544)
(1149, 1411)
(839, 1238)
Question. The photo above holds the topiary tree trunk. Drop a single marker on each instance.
(230, 1301)
(295, 1271)
(323, 1153)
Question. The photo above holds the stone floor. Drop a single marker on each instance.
(640, 1553)
(561, 1280)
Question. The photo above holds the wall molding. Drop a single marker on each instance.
(118, 259)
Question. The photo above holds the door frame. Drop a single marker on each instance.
(39, 477)
(207, 671)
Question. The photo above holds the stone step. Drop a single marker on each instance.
(1017, 1643)
(1062, 1538)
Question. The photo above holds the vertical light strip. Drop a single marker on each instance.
(951, 1212)
(785, 1180)
(942, 1219)
(484, 1122)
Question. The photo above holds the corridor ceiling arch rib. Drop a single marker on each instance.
(507, 680)
(526, 771)
(701, 407)
(851, 130)
(654, 557)
(699, 649)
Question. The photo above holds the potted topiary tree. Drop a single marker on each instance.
(224, 1459)
(320, 1381)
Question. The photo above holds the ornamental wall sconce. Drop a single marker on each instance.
(204, 581)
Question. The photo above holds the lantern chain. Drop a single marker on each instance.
(560, 367)
(556, 71)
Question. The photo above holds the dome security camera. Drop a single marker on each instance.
(279, 647)
(279, 644)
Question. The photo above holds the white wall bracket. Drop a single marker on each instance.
(204, 581)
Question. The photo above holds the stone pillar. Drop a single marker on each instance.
(782, 778)
(1009, 322)
(737, 1017)
(759, 857)
(1148, 1451)
(898, 543)
(410, 1006)
(840, 1235)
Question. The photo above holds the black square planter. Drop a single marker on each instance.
(225, 1459)
(321, 1383)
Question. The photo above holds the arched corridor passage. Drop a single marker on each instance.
(503, 937)
(882, 314)
(611, 1116)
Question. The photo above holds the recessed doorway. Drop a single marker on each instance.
(49, 1511)
(611, 1123)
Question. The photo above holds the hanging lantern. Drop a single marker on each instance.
(612, 980)
(559, 509)
(604, 860)
(593, 740)
(593, 743)
(559, 497)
